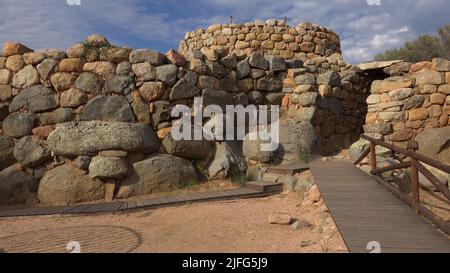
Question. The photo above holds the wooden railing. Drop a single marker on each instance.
(416, 166)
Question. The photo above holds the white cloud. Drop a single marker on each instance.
(364, 30)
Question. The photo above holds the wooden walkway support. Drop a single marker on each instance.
(252, 190)
(367, 214)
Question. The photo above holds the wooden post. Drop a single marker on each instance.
(373, 158)
(110, 187)
(415, 199)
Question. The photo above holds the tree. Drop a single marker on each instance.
(423, 48)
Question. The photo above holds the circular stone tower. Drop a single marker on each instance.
(273, 37)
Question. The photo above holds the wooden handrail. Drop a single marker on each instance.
(416, 167)
(362, 156)
(436, 182)
(392, 167)
(432, 162)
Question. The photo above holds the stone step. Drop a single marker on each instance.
(266, 186)
(289, 169)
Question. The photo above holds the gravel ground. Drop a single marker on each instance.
(229, 226)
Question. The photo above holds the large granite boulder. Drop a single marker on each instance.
(31, 152)
(67, 184)
(89, 137)
(107, 167)
(36, 99)
(189, 149)
(227, 161)
(108, 108)
(15, 185)
(435, 143)
(157, 174)
(6, 152)
(298, 140)
(18, 125)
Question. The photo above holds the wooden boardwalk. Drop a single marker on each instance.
(252, 190)
(364, 211)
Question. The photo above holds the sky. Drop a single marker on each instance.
(365, 27)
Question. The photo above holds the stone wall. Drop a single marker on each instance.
(94, 121)
(414, 98)
(273, 37)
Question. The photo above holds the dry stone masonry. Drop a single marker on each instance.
(75, 122)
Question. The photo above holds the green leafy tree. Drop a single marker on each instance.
(423, 48)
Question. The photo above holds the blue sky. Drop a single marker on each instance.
(364, 29)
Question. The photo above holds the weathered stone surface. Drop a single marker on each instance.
(89, 137)
(15, 63)
(418, 114)
(252, 149)
(42, 132)
(144, 71)
(402, 135)
(331, 78)
(55, 53)
(229, 61)
(167, 74)
(82, 162)
(183, 89)
(256, 97)
(279, 219)
(146, 55)
(26, 77)
(298, 140)
(89, 83)
(46, 67)
(36, 99)
(10, 48)
(276, 63)
(14, 185)
(305, 80)
(401, 94)
(175, 58)
(189, 149)
(413, 102)
(6, 152)
(107, 108)
(390, 84)
(5, 92)
(33, 58)
(103, 69)
(5, 76)
(152, 91)
(31, 152)
(373, 99)
(257, 60)
(377, 65)
(70, 65)
(227, 160)
(205, 82)
(161, 112)
(427, 76)
(382, 128)
(123, 68)
(198, 66)
(157, 174)
(141, 111)
(18, 125)
(269, 84)
(118, 84)
(107, 167)
(242, 69)
(62, 81)
(435, 143)
(216, 97)
(57, 116)
(309, 99)
(440, 64)
(274, 98)
(73, 98)
(445, 89)
(437, 98)
(67, 184)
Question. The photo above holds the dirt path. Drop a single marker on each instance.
(231, 226)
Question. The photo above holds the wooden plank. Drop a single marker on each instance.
(365, 211)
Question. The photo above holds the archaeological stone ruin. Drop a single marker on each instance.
(94, 122)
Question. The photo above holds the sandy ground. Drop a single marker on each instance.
(228, 226)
